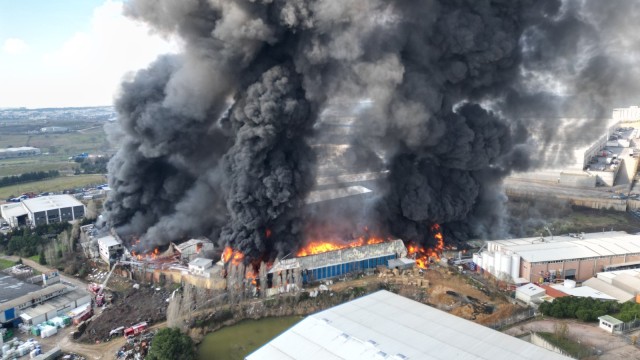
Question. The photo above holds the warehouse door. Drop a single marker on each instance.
(570, 274)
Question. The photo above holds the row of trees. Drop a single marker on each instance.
(29, 242)
(583, 308)
(27, 177)
(92, 165)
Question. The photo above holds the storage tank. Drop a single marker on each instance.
(475, 259)
(505, 266)
(497, 262)
(515, 266)
(485, 261)
(490, 264)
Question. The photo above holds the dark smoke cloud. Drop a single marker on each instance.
(217, 141)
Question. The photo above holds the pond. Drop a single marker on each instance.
(237, 341)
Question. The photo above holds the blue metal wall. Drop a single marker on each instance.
(331, 271)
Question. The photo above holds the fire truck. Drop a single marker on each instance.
(136, 329)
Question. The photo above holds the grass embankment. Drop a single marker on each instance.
(5, 264)
(54, 185)
(591, 220)
(573, 348)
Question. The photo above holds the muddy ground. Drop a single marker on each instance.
(127, 307)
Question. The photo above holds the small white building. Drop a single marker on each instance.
(201, 267)
(109, 247)
(530, 294)
(610, 324)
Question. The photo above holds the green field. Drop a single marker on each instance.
(4, 264)
(54, 185)
(56, 150)
(237, 341)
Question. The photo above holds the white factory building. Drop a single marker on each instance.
(22, 151)
(42, 210)
(109, 248)
(387, 326)
(552, 258)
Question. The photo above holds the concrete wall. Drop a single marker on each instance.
(540, 341)
(175, 276)
(577, 179)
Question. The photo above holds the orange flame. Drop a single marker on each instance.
(421, 254)
(322, 246)
(233, 256)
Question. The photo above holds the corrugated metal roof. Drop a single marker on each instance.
(32, 295)
(342, 256)
(387, 326)
(567, 247)
(13, 210)
(583, 291)
(604, 287)
(50, 202)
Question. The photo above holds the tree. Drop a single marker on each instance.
(41, 259)
(171, 344)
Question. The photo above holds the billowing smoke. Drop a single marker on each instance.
(218, 140)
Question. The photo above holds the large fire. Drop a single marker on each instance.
(152, 255)
(322, 246)
(231, 255)
(422, 254)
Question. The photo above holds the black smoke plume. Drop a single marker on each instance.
(460, 93)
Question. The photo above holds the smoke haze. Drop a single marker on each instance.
(449, 95)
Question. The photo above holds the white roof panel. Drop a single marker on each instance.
(567, 247)
(50, 202)
(108, 241)
(387, 326)
(606, 288)
(583, 291)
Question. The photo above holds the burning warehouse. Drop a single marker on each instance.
(335, 263)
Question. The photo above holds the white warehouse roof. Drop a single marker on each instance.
(50, 202)
(387, 326)
(108, 241)
(566, 247)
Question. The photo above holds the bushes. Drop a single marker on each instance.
(585, 309)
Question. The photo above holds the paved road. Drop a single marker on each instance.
(42, 268)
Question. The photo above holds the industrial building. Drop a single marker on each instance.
(110, 248)
(332, 264)
(56, 306)
(16, 152)
(36, 299)
(547, 259)
(387, 326)
(201, 267)
(190, 249)
(42, 210)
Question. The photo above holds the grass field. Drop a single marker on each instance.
(56, 184)
(4, 264)
(56, 150)
(239, 340)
